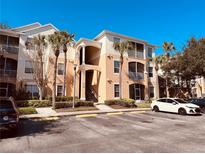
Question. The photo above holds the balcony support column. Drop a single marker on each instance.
(83, 54)
(83, 85)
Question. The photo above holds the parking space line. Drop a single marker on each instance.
(47, 119)
(86, 115)
(115, 113)
(137, 112)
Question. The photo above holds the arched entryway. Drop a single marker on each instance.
(136, 91)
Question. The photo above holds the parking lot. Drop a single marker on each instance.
(127, 132)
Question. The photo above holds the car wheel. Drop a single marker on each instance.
(156, 109)
(182, 111)
(203, 109)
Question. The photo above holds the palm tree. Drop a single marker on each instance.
(122, 48)
(67, 41)
(56, 41)
(167, 47)
(39, 43)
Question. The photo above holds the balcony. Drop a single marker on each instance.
(9, 49)
(136, 76)
(8, 73)
(136, 54)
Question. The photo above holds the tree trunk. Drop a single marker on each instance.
(167, 88)
(65, 74)
(54, 83)
(120, 77)
(40, 93)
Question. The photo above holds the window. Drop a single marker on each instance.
(162, 100)
(116, 90)
(32, 89)
(28, 67)
(151, 92)
(116, 66)
(149, 52)
(59, 90)
(116, 39)
(169, 101)
(60, 68)
(150, 70)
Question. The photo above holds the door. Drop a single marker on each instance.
(171, 106)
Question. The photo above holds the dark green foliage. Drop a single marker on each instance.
(33, 103)
(62, 98)
(27, 110)
(122, 102)
(69, 104)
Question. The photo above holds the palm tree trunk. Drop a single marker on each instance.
(167, 88)
(54, 83)
(40, 93)
(120, 77)
(41, 80)
(65, 73)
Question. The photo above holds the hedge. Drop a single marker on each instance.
(62, 98)
(127, 102)
(69, 104)
(34, 103)
(27, 110)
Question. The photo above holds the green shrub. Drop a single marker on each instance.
(27, 110)
(34, 103)
(68, 104)
(61, 98)
(127, 102)
(145, 104)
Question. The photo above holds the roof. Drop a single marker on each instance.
(34, 28)
(9, 32)
(104, 32)
(27, 27)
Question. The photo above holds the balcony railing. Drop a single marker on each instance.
(8, 73)
(9, 48)
(136, 76)
(136, 54)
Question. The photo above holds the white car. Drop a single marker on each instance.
(174, 105)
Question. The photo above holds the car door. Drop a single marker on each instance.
(161, 103)
(171, 106)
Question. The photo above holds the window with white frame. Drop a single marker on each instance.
(116, 66)
(150, 71)
(28, 67)
(59, 90)
(116, 90)
(60, 68)
(149, 52)
(32, 89)
(116, 40)
(151, 92)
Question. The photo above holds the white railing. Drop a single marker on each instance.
(9, 48)
(136, 54)
(7, 73)
(136, 76)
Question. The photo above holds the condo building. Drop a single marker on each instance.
(98, 66)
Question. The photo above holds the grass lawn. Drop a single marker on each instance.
(81, 108)
(27, 110)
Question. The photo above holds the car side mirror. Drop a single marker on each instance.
(174, 103)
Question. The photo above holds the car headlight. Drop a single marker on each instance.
(5, 118)
(190, 107)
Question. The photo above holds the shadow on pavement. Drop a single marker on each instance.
(29, 128)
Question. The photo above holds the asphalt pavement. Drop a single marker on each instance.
(119, 132)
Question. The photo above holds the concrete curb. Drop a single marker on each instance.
(64, 114)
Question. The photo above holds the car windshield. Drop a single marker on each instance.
(5, 104)
(180, 101)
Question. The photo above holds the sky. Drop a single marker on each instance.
(155, 21)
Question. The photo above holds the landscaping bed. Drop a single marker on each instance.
(126, 103)
(144, 104)
(27, 110)
(80, 108)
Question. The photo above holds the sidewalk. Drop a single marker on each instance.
(61, 114)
